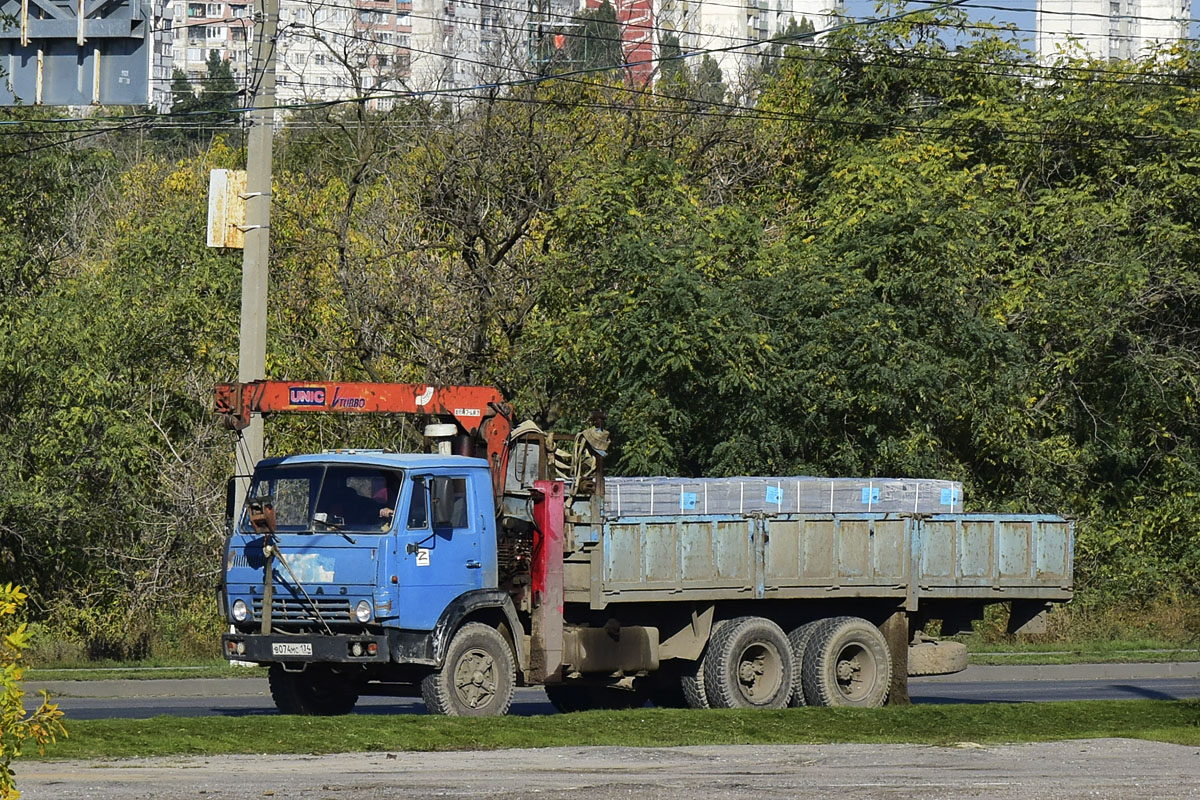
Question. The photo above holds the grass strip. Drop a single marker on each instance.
(1082, 657)
(222, 670)
(1167, 721)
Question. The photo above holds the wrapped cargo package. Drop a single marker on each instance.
(633, 497)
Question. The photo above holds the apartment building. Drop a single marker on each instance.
(736, 32)
(379, 49)
(1108, 29)
(200, 27)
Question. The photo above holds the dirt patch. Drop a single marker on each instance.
(1116, 768)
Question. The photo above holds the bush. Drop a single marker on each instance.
(16, 727)
(190, 629)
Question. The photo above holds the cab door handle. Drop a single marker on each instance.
(474, 565)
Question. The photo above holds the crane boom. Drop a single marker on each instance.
(479, 411)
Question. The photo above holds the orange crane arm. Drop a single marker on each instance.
(478, 410)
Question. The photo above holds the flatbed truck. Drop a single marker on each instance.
(367, 572)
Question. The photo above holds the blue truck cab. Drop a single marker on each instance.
(370, 564)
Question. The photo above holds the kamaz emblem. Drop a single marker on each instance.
(306, 395)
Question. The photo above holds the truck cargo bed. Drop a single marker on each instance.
(911, 557)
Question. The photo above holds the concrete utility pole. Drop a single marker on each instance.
(252, 352)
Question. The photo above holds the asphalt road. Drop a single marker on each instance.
(246, 696)
(1070, 770)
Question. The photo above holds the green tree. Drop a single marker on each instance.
(709, 81)
(208, 106)
(671, 65)
(595, 42)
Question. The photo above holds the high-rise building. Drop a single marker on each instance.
(1108, 29)
(736, 33)
(201, 27)
(376, 49)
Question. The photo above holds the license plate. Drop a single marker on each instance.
(291, 649)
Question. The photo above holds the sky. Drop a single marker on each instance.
(1017, 12)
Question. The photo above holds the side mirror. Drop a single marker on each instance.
(230, 504)
(443, 502)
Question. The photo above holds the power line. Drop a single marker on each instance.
(748, 43)
(1008, 69)
(567, 76)
(1051, 12)
(741, 42)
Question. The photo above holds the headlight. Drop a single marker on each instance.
(240, 611)
(362, 611)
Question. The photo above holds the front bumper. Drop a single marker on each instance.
(338, 648)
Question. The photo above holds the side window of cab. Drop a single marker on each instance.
(418, 507)
(450, 503)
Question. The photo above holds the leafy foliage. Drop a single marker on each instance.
(905, 259)
(41, 726)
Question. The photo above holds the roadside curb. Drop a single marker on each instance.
(150, 687)
(1069, 672)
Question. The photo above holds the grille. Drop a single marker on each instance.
(291, 609)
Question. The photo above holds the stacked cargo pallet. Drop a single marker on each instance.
(625, 497)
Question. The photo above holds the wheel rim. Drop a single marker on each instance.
(759, 673)
(475, 678)
(855, 672)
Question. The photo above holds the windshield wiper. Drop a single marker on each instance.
(333, 526)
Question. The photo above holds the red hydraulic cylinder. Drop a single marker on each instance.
(546, 582)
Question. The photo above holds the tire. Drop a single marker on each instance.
(799, 639)
(691, 674)
(318, 691)
(478, 677)
(847, 663)
(748, 665)
(936, 658)
(691, 681)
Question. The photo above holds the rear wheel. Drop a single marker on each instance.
(748, 665)
(691, 673)
(847, 663)
(316, 691)
(691, 682)
(478, 677)
(799, 639)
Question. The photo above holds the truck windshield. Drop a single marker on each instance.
(336, 497)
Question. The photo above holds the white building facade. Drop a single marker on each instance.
(378, 49)
(1108, 29)
(738, 32)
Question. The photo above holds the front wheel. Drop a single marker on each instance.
(478, 677)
